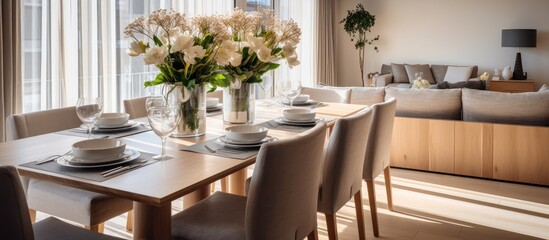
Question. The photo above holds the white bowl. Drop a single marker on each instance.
(112, 119)
(212, 102)
(96, 149)
(299, 114)
(301, 98)
(246, 133)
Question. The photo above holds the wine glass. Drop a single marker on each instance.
(163, 119)
(418, 75)
(266, 84)
(292, 91)
(282, 86)
(89, 110)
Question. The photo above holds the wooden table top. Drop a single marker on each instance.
(161, 182)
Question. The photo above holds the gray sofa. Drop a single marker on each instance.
(402, 75)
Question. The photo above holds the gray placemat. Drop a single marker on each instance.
(80, 132)
(93, 174)
(217, 149)
(272, 124)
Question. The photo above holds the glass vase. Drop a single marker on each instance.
(239, 104)
(193, 111)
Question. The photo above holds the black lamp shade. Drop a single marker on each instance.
(518, 38)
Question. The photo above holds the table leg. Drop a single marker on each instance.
(237, 182)
(152, 222)
(194, 197)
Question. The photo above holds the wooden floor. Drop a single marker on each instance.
(436, 206)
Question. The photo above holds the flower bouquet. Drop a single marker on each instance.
(258, 40)
(187, 52)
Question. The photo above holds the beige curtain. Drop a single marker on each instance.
(10, 62)
(325, 58)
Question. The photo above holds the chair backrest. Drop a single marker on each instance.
(136, 107)
(15, 220)
(35, 123)
(335, 95)
(283, 196)
(378, 150)
(342, 171)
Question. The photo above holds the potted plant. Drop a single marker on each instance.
(357, 24)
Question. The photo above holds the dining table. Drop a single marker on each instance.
(153, 187)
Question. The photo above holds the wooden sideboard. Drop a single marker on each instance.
(496, 151)
(511, 86)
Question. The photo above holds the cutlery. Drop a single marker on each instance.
(119, 167)
(214, 150)
(125, 168)
(51, 158)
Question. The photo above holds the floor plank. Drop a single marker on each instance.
(433, 206)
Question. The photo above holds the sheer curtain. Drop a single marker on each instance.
(324, 55)
(303, 13)
(10, 62)
(77, 48)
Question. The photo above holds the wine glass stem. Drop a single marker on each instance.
(90, 131)
(163, 147)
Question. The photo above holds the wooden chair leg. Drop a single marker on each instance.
(32, 213)
(313, 235)
(360, 216)
(387, 175)
(225, 184)
(97, 228)
(129, 221)
(331, 223)
(373, 209)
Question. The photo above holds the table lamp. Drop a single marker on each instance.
(519, 38)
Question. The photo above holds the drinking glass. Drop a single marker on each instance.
(89, 110)
(163, 119)
(281, 87)
(266, 84)
(418, 75)
(293, 91)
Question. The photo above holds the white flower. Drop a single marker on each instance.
(236, 84)
(288, 49)
(192, 53)
(156, 55)
(255, 43)
(264, 54)
(135, 49)
(170, 36)
(292, 61)
(182, 42)
(228, 54)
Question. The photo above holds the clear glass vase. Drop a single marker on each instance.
(239, 104)
(193, 111)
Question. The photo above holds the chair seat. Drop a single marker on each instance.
(81, 206)
(54, 229)
(220, 216)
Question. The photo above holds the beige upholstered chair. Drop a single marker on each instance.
(281, 203)
(88, 208)
(136, 107)
(342, 171)
(378, 154)
(15, 222)
(335, 95)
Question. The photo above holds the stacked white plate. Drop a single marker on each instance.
(113, 128)
(98, 153)
(212, 105)
(245, 136)
(303, 123)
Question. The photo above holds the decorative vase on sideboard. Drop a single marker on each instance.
(507, 73)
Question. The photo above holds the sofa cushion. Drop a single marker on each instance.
(424, 68)
(367, 95)
(439, 71)
(457, 74)
(399, 73)
(513, 108)
(543, 88)
(426, 103)
(386, 69)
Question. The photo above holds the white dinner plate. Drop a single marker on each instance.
(127, 124)
(306, 103)
(282, 120)
(69, 160)
(224, 139)
(215, 108)
(227, 143)
(126, 127)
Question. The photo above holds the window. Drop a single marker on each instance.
(74, 48)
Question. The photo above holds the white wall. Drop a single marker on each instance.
(461, 32)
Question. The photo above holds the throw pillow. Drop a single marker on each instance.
(543, 88)
(426, 103)
(399, 73)
(411, 70)
(514, 108)
(457, 74)
(480, 85)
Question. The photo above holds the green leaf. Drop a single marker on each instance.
(158, 80)
(273, 66)
(157, 41)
